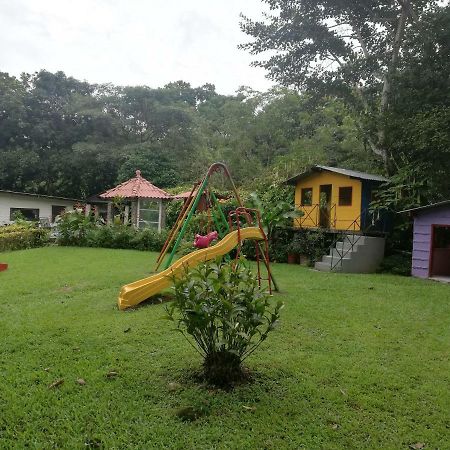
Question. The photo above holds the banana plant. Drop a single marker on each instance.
(273, 214)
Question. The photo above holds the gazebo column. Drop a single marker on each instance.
(162, 216)
(134, 213)
(109, 213)
(87, 209)
(126, 214)
(138, 207)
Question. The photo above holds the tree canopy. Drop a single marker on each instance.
(64, 137)
(352, 50)
(363, 85)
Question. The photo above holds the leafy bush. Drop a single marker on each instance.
(185, 247)
(148, 239)
(22, 236)
(73, 227)
(397, 264)
(78, 230)
(221, 307)
(274, 213)
(173, 209)
(122, 236)
(101, 236)
(278, 245)
(311, 243)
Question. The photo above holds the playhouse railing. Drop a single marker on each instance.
(354, 233)
(311, 216)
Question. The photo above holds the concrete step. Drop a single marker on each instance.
(353, 238)
(346, 252)
(362, 238)
(329, 260)
(365, 257)
(324, 267)
(347, 245)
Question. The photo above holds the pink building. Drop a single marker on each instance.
(431, 244)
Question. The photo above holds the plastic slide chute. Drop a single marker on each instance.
(134, 293)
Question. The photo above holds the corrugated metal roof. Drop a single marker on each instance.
(137, 187)
(432, 205)
(41, 195)
(347, 172)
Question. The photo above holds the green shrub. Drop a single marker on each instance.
(73, 226)
(220, 306)
(275, 212)
(311, 243)
(15, 227)
(398, 264)
(148, 239)
(22, 236)
(75, 229)
(173, 209)
(185, 248)
(122, 236)
(100, 236)
(279, 244)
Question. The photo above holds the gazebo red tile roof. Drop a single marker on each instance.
(137, 187)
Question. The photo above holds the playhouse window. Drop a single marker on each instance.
(345, 196)
(306, 199)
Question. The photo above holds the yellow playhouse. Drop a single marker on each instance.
(333, 198)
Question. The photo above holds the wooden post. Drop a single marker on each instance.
(87, 209)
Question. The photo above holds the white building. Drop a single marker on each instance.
(32, 206)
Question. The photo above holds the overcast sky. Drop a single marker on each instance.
(130, 42)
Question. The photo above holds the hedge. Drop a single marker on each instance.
(118, 237)
(19, 237)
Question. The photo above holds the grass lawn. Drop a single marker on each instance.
(359, 361)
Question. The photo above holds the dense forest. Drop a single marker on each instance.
(379, 103)
(66, 137)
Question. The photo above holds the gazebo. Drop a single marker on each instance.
(143, 200)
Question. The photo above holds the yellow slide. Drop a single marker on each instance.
(135, 293)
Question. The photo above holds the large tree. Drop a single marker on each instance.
(351, 49)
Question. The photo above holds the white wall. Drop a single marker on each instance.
(8, 200)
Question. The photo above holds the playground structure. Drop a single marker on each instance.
(240, 225)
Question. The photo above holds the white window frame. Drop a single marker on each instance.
(149, 224)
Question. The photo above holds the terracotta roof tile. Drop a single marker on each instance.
(137, 187)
